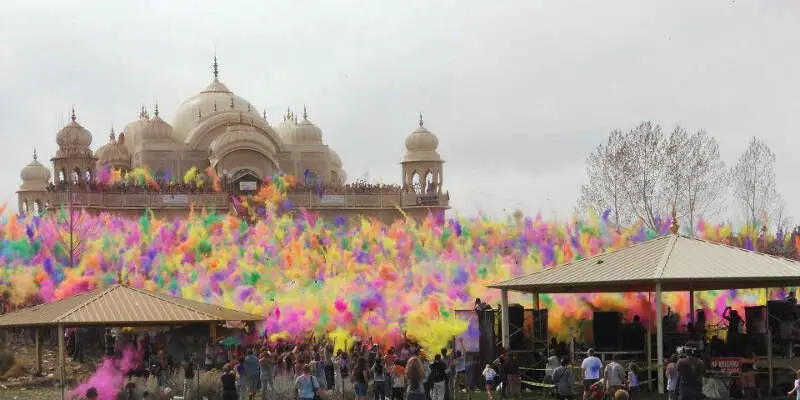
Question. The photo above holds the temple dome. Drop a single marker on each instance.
(421, 145)
(156, 129)
(306, 132)
(73, 135)
(216, 98)
(35, 176)
(114, 154)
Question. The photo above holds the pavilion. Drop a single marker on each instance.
(117, 306)
(666, 264)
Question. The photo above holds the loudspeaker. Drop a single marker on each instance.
(606, 328)
(516, 320)
(779, 311)
(754, 320)
(540, 324)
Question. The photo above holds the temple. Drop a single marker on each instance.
(219, 130)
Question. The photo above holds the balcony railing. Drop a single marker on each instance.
(366, 200)
(139, 200)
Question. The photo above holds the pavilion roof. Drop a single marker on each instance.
(121, 305)
(677, 262)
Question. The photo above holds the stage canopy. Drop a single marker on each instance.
(677, 263)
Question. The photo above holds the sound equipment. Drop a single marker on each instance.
(755, 320)
(606, 328)
(540, 326)
(779, 311)
(516, 320)
(486, 338)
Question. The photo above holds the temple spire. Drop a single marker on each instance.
(72, 116)
(265, 114)
(420, 120)
(215, 67)
(112, 136)
(35, 156)
(156, 110)
(305, 113)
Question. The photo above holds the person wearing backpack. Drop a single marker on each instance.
(306, 385)
(564, 380)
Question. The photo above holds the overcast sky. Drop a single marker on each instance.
(518, 92)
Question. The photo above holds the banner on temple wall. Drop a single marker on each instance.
(728, 365)
(175, 199)
(331, 200)
(248, 186)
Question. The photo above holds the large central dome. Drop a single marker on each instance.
(215, 98)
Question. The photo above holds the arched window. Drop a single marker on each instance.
(37, 207)
(24, 207)
(62, 175)
(416, 183)
(76, 175)
(88, 176)
(430, 184)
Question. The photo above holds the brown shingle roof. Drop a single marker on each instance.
(677, 262)
(120, 305)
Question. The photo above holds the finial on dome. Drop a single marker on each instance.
(264, 115)
(155, 111)
(112, 136)
(215, 67)
(72, 117)
(305, 113)
(35, 156)
(420, 120)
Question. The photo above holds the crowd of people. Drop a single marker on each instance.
(358, 187)
(156, 187)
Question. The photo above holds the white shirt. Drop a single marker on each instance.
(591, 367)
(489, 374)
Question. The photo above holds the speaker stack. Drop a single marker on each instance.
(516, 320)
(606, 329)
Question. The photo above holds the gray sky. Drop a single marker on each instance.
(519, 92)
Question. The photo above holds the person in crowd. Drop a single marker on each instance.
(91, 394)
(361, 378)
(621, 394)
(614, 375)
(267, 370)
(633, 380)
(512, 377)
(691, 370)
(241, 378)
(489, 377)
(671, 372)
(328, 368)
(415, 374)
(564, 380)
(591, 367)
(438, 377)
(208, 361)
(796, 389)
(735, 326)
(110, 343)
(252, 370)
(791, 299)
(398, 375)
(228, 381)
(338, 370)
(188, 376)
(306, 385)
(379, 378)
(553, 362)
(460, 381)
(747, 380)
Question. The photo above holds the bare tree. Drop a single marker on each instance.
(780, 218)
(706, 181)
(644, 173)
(75, 229)
(753, 182)
(605, 189)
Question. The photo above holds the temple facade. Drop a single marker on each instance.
(219, 130)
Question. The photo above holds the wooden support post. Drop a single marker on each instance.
(61, 360)
(39, 351)
(659, 340)
(506, 329)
